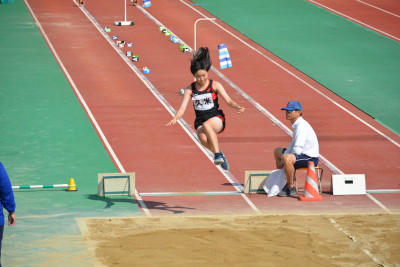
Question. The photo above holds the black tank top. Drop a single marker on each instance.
(205, 102)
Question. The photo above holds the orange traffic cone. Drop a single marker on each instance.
(311, 192)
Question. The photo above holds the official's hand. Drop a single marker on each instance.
(11, 218)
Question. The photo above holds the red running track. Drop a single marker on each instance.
(167, 159)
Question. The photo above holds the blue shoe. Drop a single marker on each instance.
(224, 165)
(218, 159)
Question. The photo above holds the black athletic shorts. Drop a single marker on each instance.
(200, 120)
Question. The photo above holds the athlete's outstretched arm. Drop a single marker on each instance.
(221, 91)
(182, 108)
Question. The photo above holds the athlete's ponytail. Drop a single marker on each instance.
(201, 60)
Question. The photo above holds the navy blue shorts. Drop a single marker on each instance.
(302, 160)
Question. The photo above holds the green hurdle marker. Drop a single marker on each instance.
(71, 186)
(39, 186)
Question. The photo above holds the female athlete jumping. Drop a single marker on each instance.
(210, 120)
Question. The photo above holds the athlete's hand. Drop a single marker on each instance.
(172, 122)
(241, 110)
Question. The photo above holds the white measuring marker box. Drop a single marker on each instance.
(348, 184)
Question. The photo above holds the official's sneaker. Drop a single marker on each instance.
(224, 165)
(287, 191)
(218, 159)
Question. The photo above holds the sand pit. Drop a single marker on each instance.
(293, 240)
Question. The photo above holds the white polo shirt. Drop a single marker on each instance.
(304, 139)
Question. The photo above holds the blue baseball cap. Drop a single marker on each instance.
(292, 105)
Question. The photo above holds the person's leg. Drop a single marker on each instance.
(278, 157)
(203, 138)
(288, 165)
(288, 161)
(1, 239)
(207, 133)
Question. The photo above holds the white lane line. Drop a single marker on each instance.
(378, 8)
(144, 80)
(366, 251)
(378, 203)
(295, 76)
(377, 191)
(229, 176)
(85, 106)
(253, 102)
(215, 193)
(355, 20)
(269, 115)
(98, 27)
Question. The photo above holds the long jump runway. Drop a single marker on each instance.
(174, 174)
